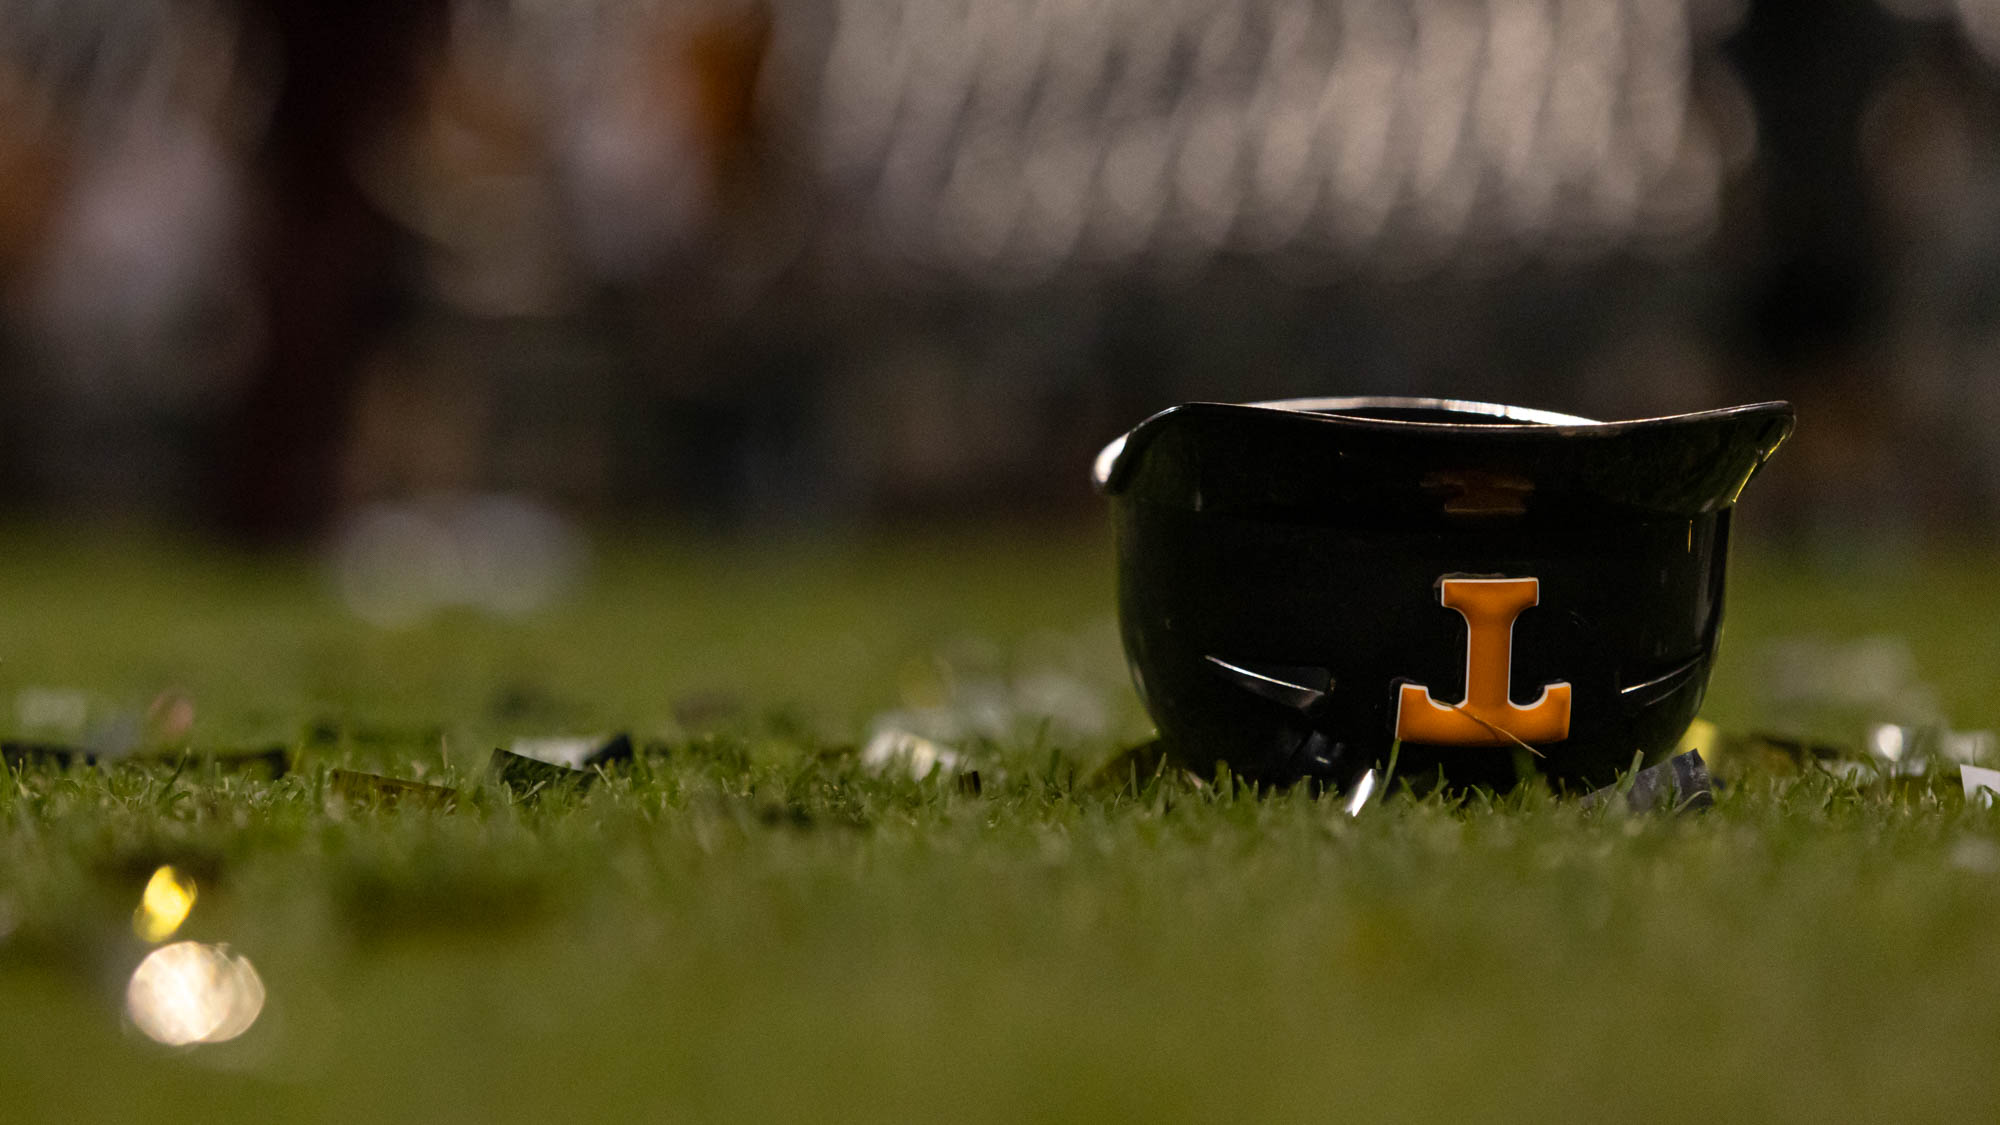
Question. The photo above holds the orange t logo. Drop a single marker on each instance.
(1489, 716)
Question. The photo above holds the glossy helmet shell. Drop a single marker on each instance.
(1301, 582)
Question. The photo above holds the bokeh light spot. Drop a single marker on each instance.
(188, 993)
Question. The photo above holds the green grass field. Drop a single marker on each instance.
(746, 925)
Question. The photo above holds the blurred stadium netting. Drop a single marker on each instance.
(264, 263)
(1013, 140)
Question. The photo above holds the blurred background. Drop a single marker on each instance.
(424, 273)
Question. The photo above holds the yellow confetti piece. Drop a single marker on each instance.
(165, 904)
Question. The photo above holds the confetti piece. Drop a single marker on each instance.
(919, 756)
(1358, 799)
(1980, 784)
(528, 778)
(389, 792)
(1680, 782)
(165, 903)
